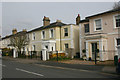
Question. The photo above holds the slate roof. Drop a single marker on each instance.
(110, 11)
(85, 20)
(18, 33)
(55, 24)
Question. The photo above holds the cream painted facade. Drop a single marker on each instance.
(57, 42)
(54, 37)
(106, 37)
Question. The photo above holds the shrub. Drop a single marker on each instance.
(60, 58)
(84, 50)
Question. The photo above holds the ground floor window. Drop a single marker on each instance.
(46, 47)
(66, 45)
(52, 48)
(33, 47)
(118, 41)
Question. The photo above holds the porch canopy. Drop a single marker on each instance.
(101, 43)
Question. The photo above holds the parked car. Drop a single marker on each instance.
(118, 67)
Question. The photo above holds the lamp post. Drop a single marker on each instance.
(95, 51)
(57, 56)
(95, 57)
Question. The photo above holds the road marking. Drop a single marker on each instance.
(76, 69)
(29, 72)
(2, 65)
(63, 68)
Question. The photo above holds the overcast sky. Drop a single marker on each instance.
(29, 15)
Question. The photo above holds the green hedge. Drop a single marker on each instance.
(60, 58)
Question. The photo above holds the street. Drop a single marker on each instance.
(12, 69)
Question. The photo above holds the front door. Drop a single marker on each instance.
(94, 47)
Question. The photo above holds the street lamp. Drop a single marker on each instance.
(57, 56)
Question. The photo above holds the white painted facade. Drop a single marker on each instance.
(106, 37)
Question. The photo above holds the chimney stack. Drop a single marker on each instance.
(58, 20)
(46, 21)
(24, 30)
(14, 31)
(78, 20)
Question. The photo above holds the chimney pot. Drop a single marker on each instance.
(14, 31)
(78, 19)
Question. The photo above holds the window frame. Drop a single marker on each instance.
(116, 42)
(43, 36)
(51, 33)
(95, 29)
(33, 47)
(33, 36)
(87, 27)
(65, 32)
(65, 45)
(114, 20)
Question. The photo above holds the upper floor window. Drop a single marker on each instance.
(65, 31)
(28, 36)
(43, 34)
(51, 33)
(33, 36)
(98, 24)
(117, 21)
(66, 46)
(86, 28)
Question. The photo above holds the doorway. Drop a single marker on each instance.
(94, 47)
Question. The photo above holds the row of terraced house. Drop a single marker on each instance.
(100, 32)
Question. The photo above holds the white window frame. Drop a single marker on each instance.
(85, 28)
(42, 34)
(65, 46)
(33, 47)
(33, 35)
(65, 32)
(115, 40)
(114, 20)
(95, 24)
(50, 33)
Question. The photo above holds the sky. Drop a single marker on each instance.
(29, 15)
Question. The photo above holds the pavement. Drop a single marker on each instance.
(90, 67)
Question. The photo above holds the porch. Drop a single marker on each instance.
(96, 46)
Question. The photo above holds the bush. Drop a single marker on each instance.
(84, 50)
(60, 58)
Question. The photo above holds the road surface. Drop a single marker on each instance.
(12, 69)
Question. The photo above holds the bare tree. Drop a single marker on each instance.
(116, 5)
(19, 41)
